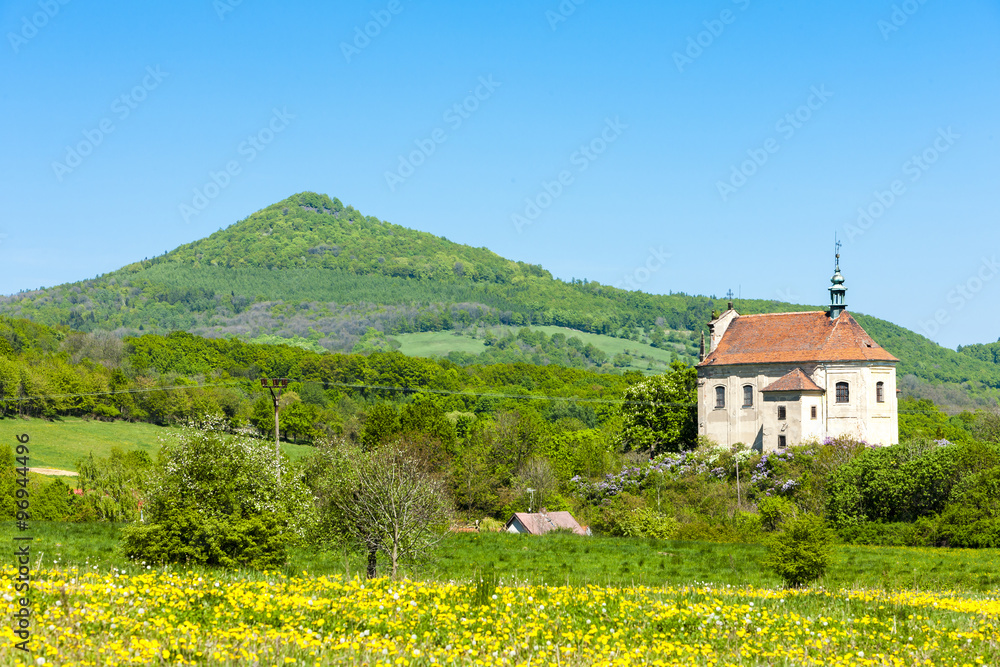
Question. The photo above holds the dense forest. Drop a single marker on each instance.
(52, 372)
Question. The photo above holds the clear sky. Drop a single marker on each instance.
(682, 146)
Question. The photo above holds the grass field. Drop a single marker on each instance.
(579, 561)
(61, 443)
(492, 599)
(440, 343)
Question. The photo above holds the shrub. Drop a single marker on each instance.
(800, 553)
(112, 486)
(490, 525)
(972, 516)
(629, 517)
(707, 532)
(924, 532)
(184, 535)
(8, 483)
(214, 500)
(774, 510)
(646, 522)
(748, 526)
(51, 501)
(903, 482)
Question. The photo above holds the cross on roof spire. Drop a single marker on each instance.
(837, 291)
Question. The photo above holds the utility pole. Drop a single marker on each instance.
(272, 384)
(739, 500)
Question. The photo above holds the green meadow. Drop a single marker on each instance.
(440, 343)
(60, 443)
(560, 559)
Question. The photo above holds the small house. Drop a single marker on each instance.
(543, 522)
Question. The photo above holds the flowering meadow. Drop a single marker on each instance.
(174, 617)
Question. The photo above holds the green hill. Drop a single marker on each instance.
(314, 272)
(310, 267)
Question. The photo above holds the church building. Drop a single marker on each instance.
(775, 380)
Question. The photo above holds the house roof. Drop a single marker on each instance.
(536, 524)
(794, 381)
(795, 338)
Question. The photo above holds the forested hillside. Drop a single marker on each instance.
(311, 267)
(313, 272)
(990, 352)
(52, 372)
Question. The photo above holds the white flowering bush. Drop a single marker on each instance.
(214, 499)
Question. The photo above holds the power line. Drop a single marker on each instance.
(346, 385)
(411, 390)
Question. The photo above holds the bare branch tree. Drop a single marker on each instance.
(396, 508)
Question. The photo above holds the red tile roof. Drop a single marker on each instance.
(794, 381)
(795, 338)
(536, 524)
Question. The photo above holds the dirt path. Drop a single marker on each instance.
(53, 471)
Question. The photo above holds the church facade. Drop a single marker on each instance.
(775, 380)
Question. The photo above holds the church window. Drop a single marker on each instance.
(812, 411)
(843, 393)
(781, 412)
(747, 396)
(781, 442)
(880, 392)
(720, 397)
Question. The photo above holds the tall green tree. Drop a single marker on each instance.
(660, 414)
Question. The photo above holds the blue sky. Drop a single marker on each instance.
(694, 147)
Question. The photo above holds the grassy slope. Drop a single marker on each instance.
(558, 559)
(60, 444)
(440, 343)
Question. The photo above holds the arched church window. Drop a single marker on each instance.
(720, 397)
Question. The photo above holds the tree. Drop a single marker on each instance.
(987, 426)
(473, 481)
(396, 507)
(331, 475)
(660, 413)
(972, 517)
(112, 486)
(214, 500)
(800, 553)
(536, 473)
(381, 423)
